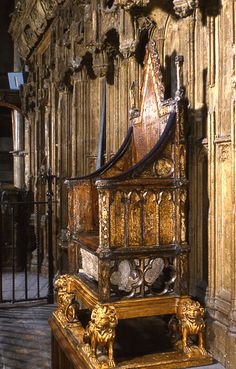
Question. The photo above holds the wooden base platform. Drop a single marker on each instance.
(126, 308)
(140, 344)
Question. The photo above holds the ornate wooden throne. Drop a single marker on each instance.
(128, 250)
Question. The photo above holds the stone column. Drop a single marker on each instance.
(27, 160)
(18, 147)
(74, 109)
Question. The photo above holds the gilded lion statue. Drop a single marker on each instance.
(100, 331)
(190, 322)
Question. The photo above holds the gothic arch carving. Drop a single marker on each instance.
(10, 106)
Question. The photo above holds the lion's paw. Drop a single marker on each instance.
(203, 351)
(187, 350)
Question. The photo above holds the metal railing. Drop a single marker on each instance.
(26, 248)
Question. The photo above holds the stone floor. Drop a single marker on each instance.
(25, 338)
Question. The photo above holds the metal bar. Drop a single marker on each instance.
(23, 300)
(26, 275)
(25, 263)
(26, 280)
(37, 249)
(13, 251)
(50, 178)
(1, 251)
(5, 203)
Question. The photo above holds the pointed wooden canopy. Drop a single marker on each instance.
(154, 109)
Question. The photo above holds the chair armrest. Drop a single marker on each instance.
(82, 193)
(83, 207)
(120, 162)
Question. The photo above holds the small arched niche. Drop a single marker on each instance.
(108, 4)
(6, 146)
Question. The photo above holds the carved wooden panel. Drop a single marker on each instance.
(145, 218)
(81, 198)
(167, 217)
(118, 216)
(150, 219)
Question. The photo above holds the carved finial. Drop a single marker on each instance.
(184, 8)
(153, 53)
(179, 60)
(132, 96)
(133, 100)
(20, 6)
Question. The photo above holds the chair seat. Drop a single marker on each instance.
(88, 241)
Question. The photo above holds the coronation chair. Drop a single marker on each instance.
(128, 251)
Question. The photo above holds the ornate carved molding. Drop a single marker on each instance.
(86, 34)
(28, 98)
(127, 4)
(184, 8)
(104, 221)
(29, 22)
(224, 152)
(66, 299)
(100, 63)
(10, 98)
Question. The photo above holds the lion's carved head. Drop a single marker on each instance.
(104, 316)
(190, 310)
